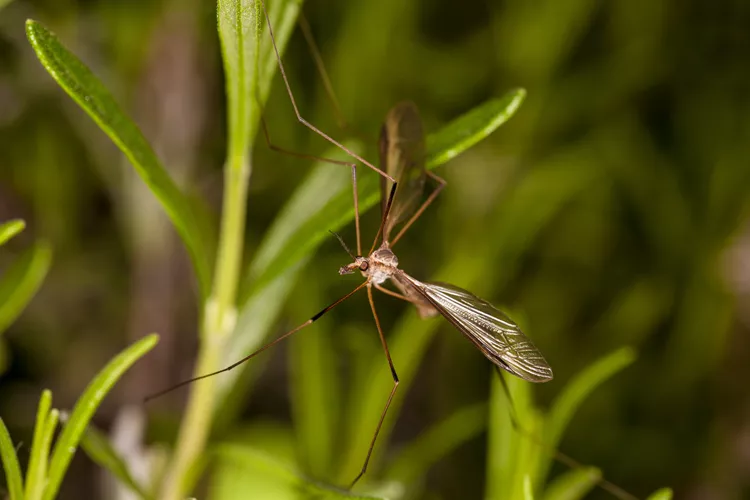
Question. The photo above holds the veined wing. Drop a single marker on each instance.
(402, 157)
(494, 333)
(424, 306)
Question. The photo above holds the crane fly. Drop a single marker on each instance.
(491, 331)
(403, 178)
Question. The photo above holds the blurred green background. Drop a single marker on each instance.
(610, 211)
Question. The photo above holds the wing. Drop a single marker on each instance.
(495, 334)
(402, 157)
(424, 306)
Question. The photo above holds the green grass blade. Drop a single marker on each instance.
(12, 468)
(36, 472)
(21, 282)
(415, 459)
(85, 407)
(573, 485)
(86, 89)
(576, 391)
(662, 494)
(98, 448)
(297, 486)
(10, 228)
(470, 128)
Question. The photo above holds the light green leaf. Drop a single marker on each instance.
(576, 391)
(12, 468)
(662, 494)
(573, 485)
(12, 227)
(239, 26)
(86, 89)
(447, 143)
(467, 130)
(429, 447)
(36, 473)
(98, 448)
(21, 282)
(259, 462)
(66, 444)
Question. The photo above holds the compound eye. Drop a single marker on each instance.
(363, 266)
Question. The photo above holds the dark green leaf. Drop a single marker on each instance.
(84, 87)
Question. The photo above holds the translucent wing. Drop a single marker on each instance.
(495, 334)
(402, 157)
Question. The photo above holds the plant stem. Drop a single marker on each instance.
(218, 322)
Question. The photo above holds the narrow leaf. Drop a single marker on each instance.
(84, 87)
(257, 461)
(10, 229)
(314, 226)
(573, 485)
(21, 282)
(36, 471)
(10, 464)
(85, 407)
(470, 128)
(98, 448)
(662, 494)
(239, 24)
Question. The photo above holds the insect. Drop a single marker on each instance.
(403, 179)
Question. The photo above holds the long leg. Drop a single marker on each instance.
(385, 216)
(252, 355)
(353, 166)
(390, 397)
(394, 294)
(299, 116)
(315, 53)
(441, 184)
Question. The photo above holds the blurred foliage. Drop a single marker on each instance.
(609, 212)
